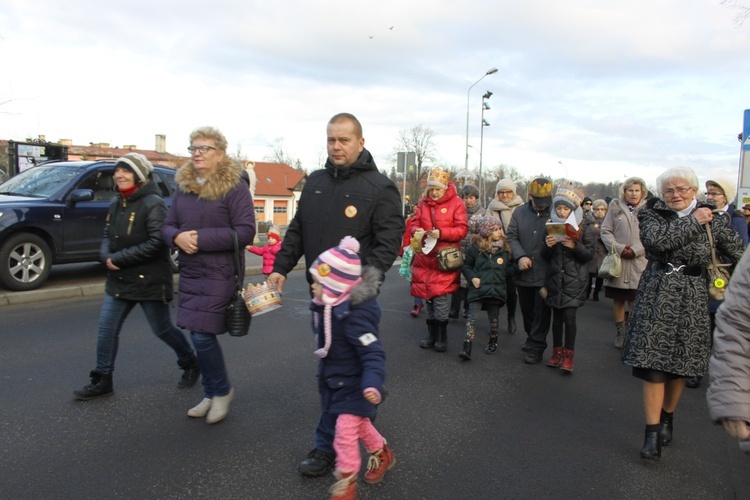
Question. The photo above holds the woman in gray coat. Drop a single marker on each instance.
(620, 230)
(668, 337)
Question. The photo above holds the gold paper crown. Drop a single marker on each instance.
(438, 177)
(540, 188)
(575, 195)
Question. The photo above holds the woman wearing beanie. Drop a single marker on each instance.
(139, 272)
(501, 207)
(351, 370)
(440, 217)
(212, 205)
(470, 194)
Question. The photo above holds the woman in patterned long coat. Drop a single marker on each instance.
(668, 337)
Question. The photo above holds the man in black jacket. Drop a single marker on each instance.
(348, 197)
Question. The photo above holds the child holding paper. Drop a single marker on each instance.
(567, 274)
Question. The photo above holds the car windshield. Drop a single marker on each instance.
(39, 182)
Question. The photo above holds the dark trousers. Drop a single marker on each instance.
(564, 322)
(511, 299)
(536, 317)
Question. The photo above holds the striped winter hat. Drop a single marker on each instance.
(338, 270)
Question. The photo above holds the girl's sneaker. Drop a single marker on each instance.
(415, 310)
(378, 463)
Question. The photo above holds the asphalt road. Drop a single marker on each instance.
(493, 427)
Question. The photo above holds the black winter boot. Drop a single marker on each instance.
(494, 331)
(100, 386)
(429, 340)
(442, 334)
(466, 351)
(665, 427)
(651, 443)
(190, 374)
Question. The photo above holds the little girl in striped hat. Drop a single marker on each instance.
(351, 370)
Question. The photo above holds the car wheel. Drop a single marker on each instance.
(25, 262)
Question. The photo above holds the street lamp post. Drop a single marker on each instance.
(485, 123)
(468, 95)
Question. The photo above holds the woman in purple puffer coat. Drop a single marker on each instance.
(211, 204)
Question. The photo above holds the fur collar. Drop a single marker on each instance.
(217, 185)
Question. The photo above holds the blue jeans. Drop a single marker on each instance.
(211, 361)
(112, 316)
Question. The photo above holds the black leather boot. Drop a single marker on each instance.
(429, 340)
(665, 428)
(466, 351)
(100, 386)
(651, 443)
(191, 373)
(442, 333)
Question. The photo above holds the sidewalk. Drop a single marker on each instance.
(95, 286)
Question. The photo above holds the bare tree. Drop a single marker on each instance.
(743, 10)
(278, 155)
(419, 140)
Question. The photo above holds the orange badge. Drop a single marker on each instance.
(443, 210)
(596, 225)
(500, 261)
(350, 211)
(324, 269)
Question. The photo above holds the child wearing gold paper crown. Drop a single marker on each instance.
(485, 268)
(567, 274)
(351, 370)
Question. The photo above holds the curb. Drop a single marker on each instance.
(85, 290)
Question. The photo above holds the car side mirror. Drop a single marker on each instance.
(80, 195)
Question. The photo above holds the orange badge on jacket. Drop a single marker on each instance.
(350, 211)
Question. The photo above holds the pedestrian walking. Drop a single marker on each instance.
(351, 370)
(668, 337)
(567, 275)
(212, 207)
(139, 272)
(348, 197)
(485, 269)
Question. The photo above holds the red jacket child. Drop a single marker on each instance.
(269, 251)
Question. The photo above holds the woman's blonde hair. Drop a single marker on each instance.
(210, 133)
(629, 182)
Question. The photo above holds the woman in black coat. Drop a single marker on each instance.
(668, 337)
(139, 272)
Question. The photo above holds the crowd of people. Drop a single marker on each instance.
(542, 254)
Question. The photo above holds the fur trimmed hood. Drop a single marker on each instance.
(217, 185)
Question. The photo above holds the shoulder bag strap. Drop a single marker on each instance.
(237, 281)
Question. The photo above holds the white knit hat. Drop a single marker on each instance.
(138, 163)
(727, 186)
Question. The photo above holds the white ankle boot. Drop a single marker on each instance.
(219, 407)
(201, 409)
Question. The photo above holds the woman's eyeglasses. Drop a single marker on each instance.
(682, 191)
(203, 149)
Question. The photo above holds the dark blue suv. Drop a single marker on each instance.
(54, 213)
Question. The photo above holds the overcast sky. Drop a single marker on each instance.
(610, 89)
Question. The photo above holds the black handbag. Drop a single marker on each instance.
(237, 315)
